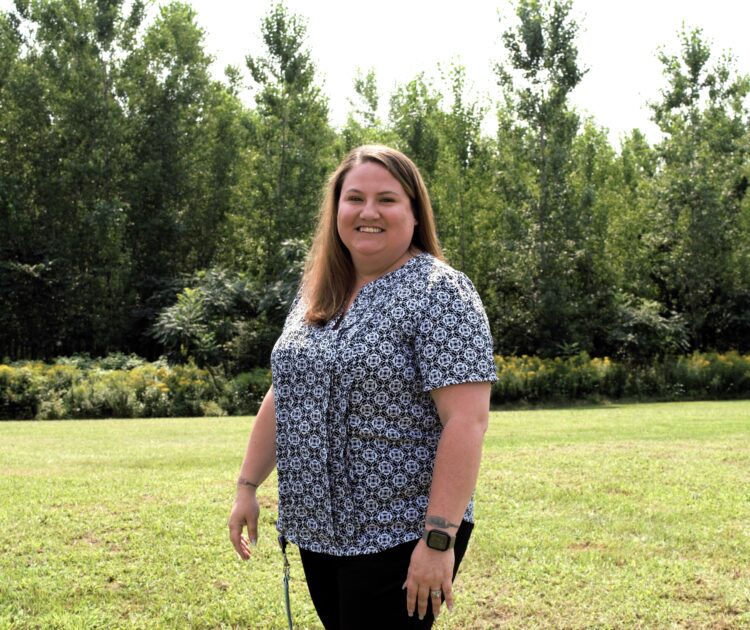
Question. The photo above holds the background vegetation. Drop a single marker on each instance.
(618, 517)
(144, 208)
(120, 386)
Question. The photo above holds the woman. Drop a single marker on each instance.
(379, 405)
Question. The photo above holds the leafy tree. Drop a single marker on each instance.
(366, 88)
(119, 160)
(65, 271)
(630, 223)
(541, 71)
(699, 193)
(292, 144)
(228, 321)
(363, 126)
(595, 183)
(202, 324)
(415, 118)
(180, 160)
(463, 178)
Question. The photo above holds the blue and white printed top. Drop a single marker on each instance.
(356, 427)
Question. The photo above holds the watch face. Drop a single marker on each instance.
(438, 540)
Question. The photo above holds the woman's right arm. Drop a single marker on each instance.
(259, 462)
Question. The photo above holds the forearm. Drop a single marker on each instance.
(260, 456)
(456, 469)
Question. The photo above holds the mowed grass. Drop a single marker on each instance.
(633, 516)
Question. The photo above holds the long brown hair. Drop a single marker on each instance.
(329, 273)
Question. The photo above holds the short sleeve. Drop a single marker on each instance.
(453, 343)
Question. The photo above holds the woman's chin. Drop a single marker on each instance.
(366, 250)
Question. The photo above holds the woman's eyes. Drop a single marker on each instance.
(356, 198)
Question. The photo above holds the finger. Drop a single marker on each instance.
(411, 598)
(448, 594)
(423, 597)
(252, 532)
(252, 528)
(235, 535)
(435, 601)
(239, 542)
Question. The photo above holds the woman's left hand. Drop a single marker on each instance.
(429, 570)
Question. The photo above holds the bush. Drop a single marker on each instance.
(700, 375)
(19, 391)
(642, 330)
(79, 387)
(245, 392)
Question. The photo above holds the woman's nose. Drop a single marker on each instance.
(370, 209)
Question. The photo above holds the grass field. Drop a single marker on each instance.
(634, 516)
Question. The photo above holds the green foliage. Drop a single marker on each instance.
(558, 274)
(291, 150)
(118, 386)
(464, 210)
(228, 321)
(137, 193)
(579, 377)
(202, 323)
(19, 392)
(245, 392)
(363, 126)
(111, 151)
(415, 117)
(698, 194)
(641, 332)
(128, 387)
(65, 267)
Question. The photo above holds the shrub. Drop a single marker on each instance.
(19, 392)
(700, 375)
(245, 392)
(81, 387)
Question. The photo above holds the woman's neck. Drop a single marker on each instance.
(363, 274)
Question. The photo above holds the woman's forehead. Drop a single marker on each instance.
(371, 176)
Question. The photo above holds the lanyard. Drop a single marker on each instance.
(287, 603)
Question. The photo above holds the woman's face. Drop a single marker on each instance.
(375, 218)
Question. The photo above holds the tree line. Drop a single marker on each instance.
(145, 208)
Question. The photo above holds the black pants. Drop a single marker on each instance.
(362, 592)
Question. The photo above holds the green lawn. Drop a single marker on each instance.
(633, 516)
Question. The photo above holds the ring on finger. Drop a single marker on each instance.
(436, 593)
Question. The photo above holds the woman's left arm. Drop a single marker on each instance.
(464, 412)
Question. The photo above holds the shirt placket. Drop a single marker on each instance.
(340, 387)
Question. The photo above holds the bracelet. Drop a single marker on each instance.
(241, 481)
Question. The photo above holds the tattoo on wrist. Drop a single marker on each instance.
(241, 481)
(439, 521)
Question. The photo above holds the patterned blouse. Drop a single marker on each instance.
(356, 427)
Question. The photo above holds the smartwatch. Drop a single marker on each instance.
(438, 539)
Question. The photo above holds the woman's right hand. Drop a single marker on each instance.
(244, 513)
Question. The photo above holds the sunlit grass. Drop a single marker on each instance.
(605, 517)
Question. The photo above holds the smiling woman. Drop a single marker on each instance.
(374, 186)
(375, 221)
(379, 405)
